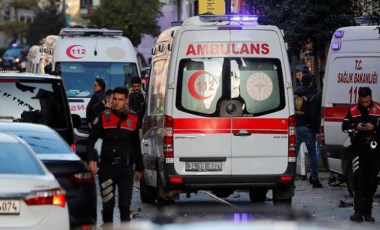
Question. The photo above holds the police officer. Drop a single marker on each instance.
(362, 124)
(120, 153)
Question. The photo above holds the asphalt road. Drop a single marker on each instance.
(327, 207)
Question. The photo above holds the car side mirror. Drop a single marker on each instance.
(77, 122)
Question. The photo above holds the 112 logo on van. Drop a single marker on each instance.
(76, 51)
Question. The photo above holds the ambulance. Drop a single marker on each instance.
(80, 55)
(352, 62)
(220, 112)
(33, 59)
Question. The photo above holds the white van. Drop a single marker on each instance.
(80, 55)
(352, 62)
(220, 113)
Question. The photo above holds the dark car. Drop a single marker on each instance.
(36, 98)
(70, 171)
(15, 58)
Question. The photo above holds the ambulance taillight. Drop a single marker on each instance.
(322, 129)
(292, 138)
(168, 138)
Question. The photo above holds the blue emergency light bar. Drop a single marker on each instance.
(89, 32)
(336, 45)
(339, 34)
(228, 18)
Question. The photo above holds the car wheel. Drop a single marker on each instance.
(148, 193)
(258, 195)
(349, 179)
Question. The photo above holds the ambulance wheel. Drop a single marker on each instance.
(258, 195)
(284, 202)
(162, 199)
(349, 180)
(222, 193)
(283, 196)
(148, 194)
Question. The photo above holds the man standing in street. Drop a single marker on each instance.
(362, 124)
(120, 155)
(308, 123)
(136, 100)
(99, 91)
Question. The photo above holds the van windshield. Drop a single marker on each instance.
(79, 77)
(254, 83)
(33, 102)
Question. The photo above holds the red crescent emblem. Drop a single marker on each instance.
(191, 84)
(76, 51)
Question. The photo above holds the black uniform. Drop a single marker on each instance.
(96, 98)
(366, 161)
(120, 152)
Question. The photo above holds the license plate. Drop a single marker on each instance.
(203, 166)
(10, 207)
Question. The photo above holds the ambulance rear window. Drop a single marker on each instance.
(205, 84)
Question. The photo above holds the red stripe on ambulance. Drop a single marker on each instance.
(227, 125)
(334, 114)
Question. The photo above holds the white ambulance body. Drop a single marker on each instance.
(80, 55)
(33, 61)
(353, 62)
(46, 53)
(219, 112)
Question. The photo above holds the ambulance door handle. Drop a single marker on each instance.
(242, 133)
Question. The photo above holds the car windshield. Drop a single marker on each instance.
(17, 159)
(45, 142)
(32, 102)
(79, 77)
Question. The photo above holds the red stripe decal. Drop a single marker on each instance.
(223, 125)
(334, 114)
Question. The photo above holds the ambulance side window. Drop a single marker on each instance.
(157, 87)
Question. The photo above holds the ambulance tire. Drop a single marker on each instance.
(349, 180)
(148, 194)
(222, 193)
(283, 196)
(258, 194)
(347, 169)
(162, 201)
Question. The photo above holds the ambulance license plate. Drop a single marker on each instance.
(199, 166)
(10, 207)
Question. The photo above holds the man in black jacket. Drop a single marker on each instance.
(120, 154)
(99, 91)
(362, 123)
(308, 123)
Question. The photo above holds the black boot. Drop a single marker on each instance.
(316, 184)
(368, 218)
(356, 217)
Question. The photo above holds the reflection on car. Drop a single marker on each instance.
(70, 171)
(30, 196)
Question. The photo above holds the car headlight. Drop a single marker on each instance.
(16, 60)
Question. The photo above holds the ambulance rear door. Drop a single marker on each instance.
(259, 139)
(201, 132)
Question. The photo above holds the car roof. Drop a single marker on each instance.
(21, 126)
(31, 76)
(9, 138)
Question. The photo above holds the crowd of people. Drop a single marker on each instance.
(361, 123)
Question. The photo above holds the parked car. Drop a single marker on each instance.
(70, 171)
(30, 196)
(37, 98)
(15, 58)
